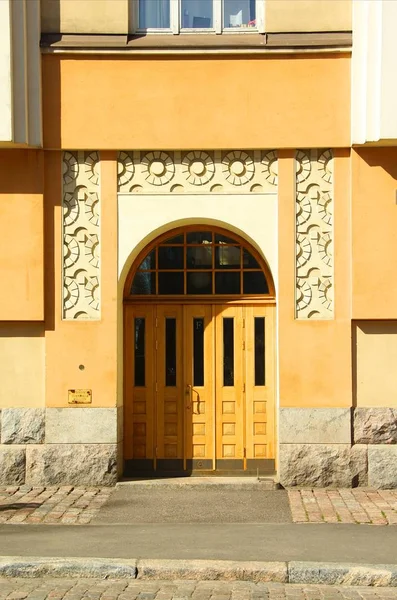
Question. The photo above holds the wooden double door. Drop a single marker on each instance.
(199, 389)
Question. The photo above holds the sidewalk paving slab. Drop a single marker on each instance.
(279, 542)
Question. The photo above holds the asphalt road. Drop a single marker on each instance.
(237, 541)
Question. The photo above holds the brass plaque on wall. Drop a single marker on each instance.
(79, 396)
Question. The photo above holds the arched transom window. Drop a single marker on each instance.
(199, 262)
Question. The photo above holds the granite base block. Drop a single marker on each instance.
(72, 464)
(375, 425)
(315, 425)
(317, 465)
(382, 466)
(12, 465)
(22, 425)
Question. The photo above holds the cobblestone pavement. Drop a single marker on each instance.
(67, 504)
(359, 505)
(94, 589)
(78, 505)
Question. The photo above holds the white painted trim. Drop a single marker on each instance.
(217, 8)
(175, 16)
(19, 92)
(260, 16)
(5, 72)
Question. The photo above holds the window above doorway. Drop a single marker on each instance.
(199, 263)
(198, 16)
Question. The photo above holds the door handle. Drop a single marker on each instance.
(189, 392)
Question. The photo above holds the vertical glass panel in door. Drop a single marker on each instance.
(239, 13)
(139, 337)
(170, 352)
(198, 351)
(197, 14)
(154, 14)
(259, 336)
(228, 352)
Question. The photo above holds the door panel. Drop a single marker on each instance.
(139, 391)
(259, 388)
(229, 388)
(199, 387)
(170, 392)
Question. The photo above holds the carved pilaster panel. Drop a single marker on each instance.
(81, 235)
(314, 235)
(197, 172)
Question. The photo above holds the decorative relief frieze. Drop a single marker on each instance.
(314, 234)
(197, 171)
(81, 235)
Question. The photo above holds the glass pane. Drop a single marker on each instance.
(196, 14)
(199, 257)
(249, 262)
(149, 262)
(170, 352)
(154, 14)
(170, 257)
(227, 257)
(144, 283)
(139, 375)
(199, 283)
(228, 352)
(254, 282)
(221, 239)
(198, 351)
(199, 237)
(227, 283)
(178, 239)
(239, 13)
(171, 283)
(259, 350)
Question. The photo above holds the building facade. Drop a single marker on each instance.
(198, 249)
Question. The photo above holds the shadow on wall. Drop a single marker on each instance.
(50, 16)
(385, 157)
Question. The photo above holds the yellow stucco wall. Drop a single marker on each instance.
(92, 344)
(307, 15)
(196, 102)
(21, 235)
(375, 363)
(84, 16)
(374, 227)
(22, 361)
(314, 356)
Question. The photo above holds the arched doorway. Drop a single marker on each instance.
(199, 312)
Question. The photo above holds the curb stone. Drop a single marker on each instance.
(20, 566)
(342, 574)
(213, 570)
(347, 574)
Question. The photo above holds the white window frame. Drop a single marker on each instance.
(175, 19)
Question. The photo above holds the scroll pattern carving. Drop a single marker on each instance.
(81, 233)
(314, 234)
(197, 171)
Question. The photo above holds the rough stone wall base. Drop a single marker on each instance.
(338, 447)
(55, 446)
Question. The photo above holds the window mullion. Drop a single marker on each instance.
(260, 15)
(217, 15)
(174, 7)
